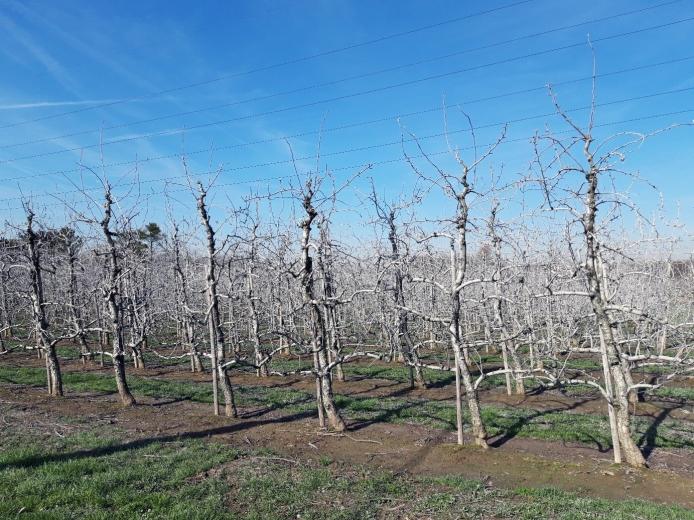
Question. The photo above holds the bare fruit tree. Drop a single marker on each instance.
(220, 371)
(579, 176)
(45, 339)
(457, 186)
(327, 411)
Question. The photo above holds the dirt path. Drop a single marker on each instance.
(402, 448)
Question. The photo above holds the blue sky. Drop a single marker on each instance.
(59, 57)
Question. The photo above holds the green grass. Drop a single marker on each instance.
(521, 422)
(550, 425)
(282, 491)
(394, 372)
(307, 492)
(675, 392)
(100, 473)
(65, 352)
(562, 505)
(281, 364)
(105, 382)
(583, 364)
(72, 352)
(87, 476)
(154, 387)
(155, 361)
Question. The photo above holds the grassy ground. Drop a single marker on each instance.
(99, 474)
(507, 422)
(89, 476)
(400, 373)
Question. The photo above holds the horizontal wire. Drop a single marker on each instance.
(389, 118)
(375, 163)
(336, 81)
(277, 65)
(346, 96)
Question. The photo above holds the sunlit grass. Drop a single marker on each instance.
(104, 476)
(554, 425)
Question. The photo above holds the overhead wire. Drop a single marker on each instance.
(363, 123)
(223, 169)
(292, 61)
(339, 80)
(345, 96)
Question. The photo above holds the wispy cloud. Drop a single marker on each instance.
(38, 53)
(96, 49)
(44, 104)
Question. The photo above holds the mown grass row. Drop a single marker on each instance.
(502, 421)
(105, 481)
(400, 374)
(99, 475)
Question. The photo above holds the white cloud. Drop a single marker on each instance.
(38, 53)
(44, 104)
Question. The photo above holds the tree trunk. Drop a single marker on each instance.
(618, 366)
(55, 380)
(219, 373)
(324, 395)
(112, 295)
(41, 324)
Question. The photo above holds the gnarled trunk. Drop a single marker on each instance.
(617, 365)
(327, 411)
(112, 298)
(38, 304)
(220, 374)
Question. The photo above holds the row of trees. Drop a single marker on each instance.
(440, 289)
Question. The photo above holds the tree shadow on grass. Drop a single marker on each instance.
(647, 442)
(392, 414)
(364, 374)
(375, 387)
(514, 429)
(36, 461)
(441, 382)
(276, 406)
